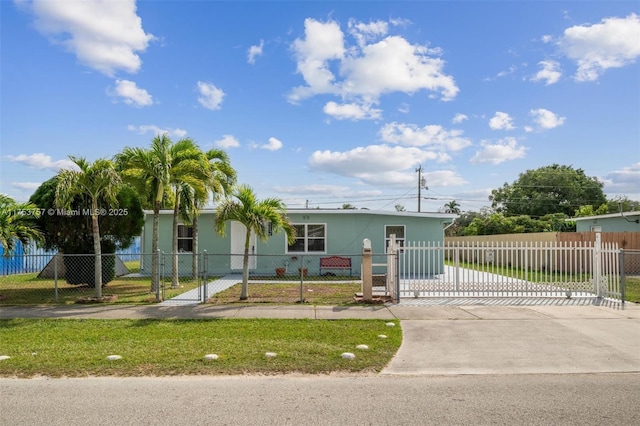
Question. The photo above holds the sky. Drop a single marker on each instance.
(328, 103)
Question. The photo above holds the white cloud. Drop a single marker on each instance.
(550, 72)
(366, 32)
(395, 65)
(42, 161)
(624, 181)
(104, 35)
(363, 72)
(504, 150)
(227, 141)
(612, 43)
(132, 94)
(427, 136)
(273, 145)
(459, 118)
(32, 186)
(501, 121)
(156, 130)
(374, 164)
(546, 38)
(441, 178)
(546, 119)
(324, 41)
(210, 96)
(255, 51)
(351, 111)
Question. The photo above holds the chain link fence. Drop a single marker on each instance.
(630, 274)
(212, 277)
(71, 278)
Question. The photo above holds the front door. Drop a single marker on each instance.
(238, 234)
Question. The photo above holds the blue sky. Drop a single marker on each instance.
(327, 103)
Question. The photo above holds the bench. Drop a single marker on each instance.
(335, 263)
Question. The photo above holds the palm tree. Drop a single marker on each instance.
(188, 176)
(148, 171)
(98, 181)
(17, 223)
(253, 214)
(220, 181)
(452, 207)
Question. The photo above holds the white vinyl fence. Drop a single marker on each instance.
(500, 270)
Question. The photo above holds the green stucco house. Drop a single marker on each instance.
(321, 233)
(614, 222)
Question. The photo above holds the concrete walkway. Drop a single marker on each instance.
(443, 340)
(193, 297)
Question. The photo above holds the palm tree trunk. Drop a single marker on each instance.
(244, 295)
(194, 262)
(155, 267)
(174, 259)
(96, 247)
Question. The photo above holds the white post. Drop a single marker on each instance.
(597, 265)
(367, 267)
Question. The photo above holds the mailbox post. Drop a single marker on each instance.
(367, 269)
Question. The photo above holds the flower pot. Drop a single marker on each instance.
(303, 271)
(280, 272)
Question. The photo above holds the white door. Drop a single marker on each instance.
(238, 234)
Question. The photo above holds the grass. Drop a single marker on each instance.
(27, 289)
(312, 293)
(78, 348)
(632, 289)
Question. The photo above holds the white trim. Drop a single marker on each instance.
(445, 216)
(605, 216)
(306, 238)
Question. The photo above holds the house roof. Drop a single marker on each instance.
(446, 216)
(606, 216)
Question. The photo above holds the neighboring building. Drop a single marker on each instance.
(615, 222)
(320, 233)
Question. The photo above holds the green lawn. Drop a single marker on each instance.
(78, 348)
(27, 289)
(632, 289)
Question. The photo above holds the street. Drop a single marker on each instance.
(585, 399)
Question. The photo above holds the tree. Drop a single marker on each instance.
(400, 208)
(220, 181)
(546, 190)
(73, 233)
(188, 176)
(254, 215)
(17, 223)
(622, 203)
(99, 181)
(452, 207)
(148, 171)
(348, 206)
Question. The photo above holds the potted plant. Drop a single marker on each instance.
(303, 271)
(280, 272)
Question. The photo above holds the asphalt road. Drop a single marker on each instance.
(570, 399)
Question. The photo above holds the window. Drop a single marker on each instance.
(185, 238)
(389, 230)
(310, 238)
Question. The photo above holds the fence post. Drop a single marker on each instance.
(157, 278)
(302, 271)
(597, 252)
(55, 276)
(456, 265)
(205, 264)
(367, 279)
(622, 278)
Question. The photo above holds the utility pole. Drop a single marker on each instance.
(422, 182)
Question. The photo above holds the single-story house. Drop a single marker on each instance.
(614, 222)
(321, 233)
